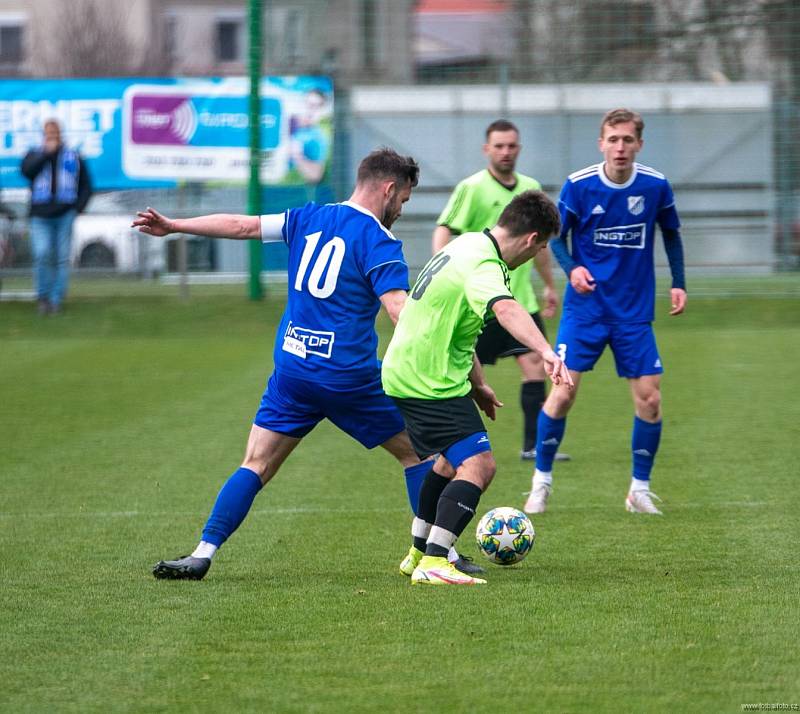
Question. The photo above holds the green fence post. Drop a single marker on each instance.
(254, 190)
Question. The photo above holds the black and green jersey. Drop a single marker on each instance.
(430, 355)
(476, 203)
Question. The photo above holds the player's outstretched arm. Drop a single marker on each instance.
(513, 317)
(217, 225)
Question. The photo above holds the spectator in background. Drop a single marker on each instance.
(6, 248)
(60, 190)
(5, 211)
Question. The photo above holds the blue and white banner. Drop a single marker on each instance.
(156, 132)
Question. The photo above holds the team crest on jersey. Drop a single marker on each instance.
(635, 204)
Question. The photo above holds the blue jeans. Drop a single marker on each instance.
(50, 241)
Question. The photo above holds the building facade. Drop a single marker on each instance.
(356, 41)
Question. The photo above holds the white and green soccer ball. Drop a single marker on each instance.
(505, 535)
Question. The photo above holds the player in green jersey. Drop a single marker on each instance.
(475, 204)
(431, 371)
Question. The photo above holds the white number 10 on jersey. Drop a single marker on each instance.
(330, 257)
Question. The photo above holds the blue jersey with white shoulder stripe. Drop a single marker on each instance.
(613, 231)
(341, 260)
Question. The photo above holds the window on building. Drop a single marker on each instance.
(230, 39)
(11, 43)
(170, 38)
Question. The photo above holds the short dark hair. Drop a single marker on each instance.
(500, 125)
(386, 163)
(620, 116)
(528, 212)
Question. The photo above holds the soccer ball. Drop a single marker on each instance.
(505, 535)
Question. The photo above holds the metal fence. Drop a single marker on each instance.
(717, 82)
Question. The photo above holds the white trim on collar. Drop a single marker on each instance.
(369, 213)
(608, 182)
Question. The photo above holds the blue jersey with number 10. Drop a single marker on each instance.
(341, 260)
(613, 231)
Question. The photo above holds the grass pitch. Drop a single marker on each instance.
(121, 419)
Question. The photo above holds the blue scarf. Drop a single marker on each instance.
(67, 169)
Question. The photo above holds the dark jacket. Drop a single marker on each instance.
(54, 205)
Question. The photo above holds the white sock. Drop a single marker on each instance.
(452, 555)
(420, 528)
(639, 485)
(542, 478)
(204, 550)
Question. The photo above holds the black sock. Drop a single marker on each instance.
(429, 493)
(531, 399)
(456, 509)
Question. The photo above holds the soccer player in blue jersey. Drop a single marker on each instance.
(611, 210)
(344, 263)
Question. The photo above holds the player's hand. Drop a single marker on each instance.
(550, 302)
(556, 369)
(582, 280)
(150, 221)
(486, 400)
(678, 297)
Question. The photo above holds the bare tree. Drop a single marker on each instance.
(90, 38)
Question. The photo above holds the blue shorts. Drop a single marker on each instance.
(580, 345)
(294, 407)
(474, 444)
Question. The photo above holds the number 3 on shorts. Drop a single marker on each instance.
(562, 351)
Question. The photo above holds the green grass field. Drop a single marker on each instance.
(121, 419)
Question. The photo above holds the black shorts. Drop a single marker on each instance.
(436, 424)
(495, 341)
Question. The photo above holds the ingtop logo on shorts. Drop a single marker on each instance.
(621, 236)
(315, 342)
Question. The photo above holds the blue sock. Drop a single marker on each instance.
(549, 436)
(415, 475)
(233, 503)
(644, 444)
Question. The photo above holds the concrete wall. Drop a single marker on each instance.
(714, 143)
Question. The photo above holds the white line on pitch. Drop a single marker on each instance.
(306, 509)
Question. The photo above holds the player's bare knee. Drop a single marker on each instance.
(648, 405)
(400, 447)
(489, 473)
(480, 469)
(408, 459)
(559, 401)
(259, 467)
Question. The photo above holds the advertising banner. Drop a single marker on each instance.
(156, 132)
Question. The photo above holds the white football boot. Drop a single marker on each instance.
(642, 502)
(537, 499)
